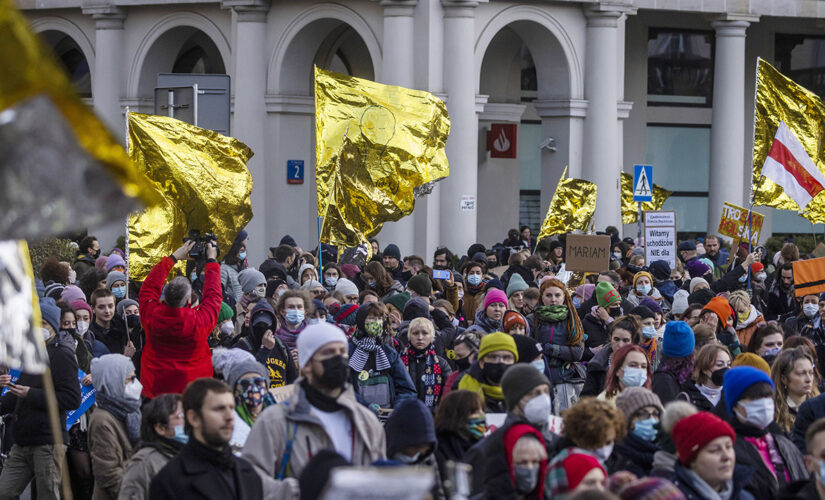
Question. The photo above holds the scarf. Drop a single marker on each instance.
(711, 394)
(651, 349)
(475, 289)
(320, 400)
(432, 373)
(470, 383)
(363, 348)
(125, 410)
(551, 314)
(290, 338)
(222, 459)
(704, 489)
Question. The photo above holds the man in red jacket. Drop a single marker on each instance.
(176, 350)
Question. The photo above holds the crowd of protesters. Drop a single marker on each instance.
(644, 381)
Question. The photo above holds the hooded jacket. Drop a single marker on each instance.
(278, 360)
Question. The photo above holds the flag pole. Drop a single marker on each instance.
(754, 188)
(126, 239)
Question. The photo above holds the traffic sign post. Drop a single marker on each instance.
(642, 190)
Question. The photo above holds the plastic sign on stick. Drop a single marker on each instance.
(734, 223)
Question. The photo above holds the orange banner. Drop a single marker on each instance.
(809, 277)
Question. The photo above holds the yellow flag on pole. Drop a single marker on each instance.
(377, 148)
(571, 208)
(630, 208)
(780, 99)
(202, 178)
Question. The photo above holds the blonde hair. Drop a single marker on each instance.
(739, 297)
(782, 367)
(422, 323)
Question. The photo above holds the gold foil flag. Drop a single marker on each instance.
(53, 145)
(780, 99)
(571, 208)
(202, 178)
(630, 208)
(377, 146)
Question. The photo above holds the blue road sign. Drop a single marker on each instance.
(642, 183)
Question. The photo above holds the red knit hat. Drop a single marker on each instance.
(577, 466)
(721, 307)
(693, 433)
(512, 318)
(756, 267)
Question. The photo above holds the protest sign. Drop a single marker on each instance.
(15, 375)
(734, 224)
(385, 483)
(809, 277)
(281, 394)
(660, 236)
(87, 399)
(587, 253)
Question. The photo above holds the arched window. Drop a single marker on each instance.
(74, 62)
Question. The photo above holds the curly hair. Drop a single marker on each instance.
(588, 422)
(383, 279)
(54, 270)
(574, 324)
(611, 386)
(781, 369)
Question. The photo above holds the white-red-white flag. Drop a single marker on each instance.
(790, 166)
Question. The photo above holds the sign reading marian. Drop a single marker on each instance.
(642, 183)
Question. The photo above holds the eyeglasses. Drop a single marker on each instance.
(499, 358)
(645, 414)
(246, 382)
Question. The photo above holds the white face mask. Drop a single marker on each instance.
(133, 389)
(604, 452)
(72, 277)
(227, 328)
(460, 294)
(537, 410)
(810, 310)
(759, 412)
(82, 327)
(46, 334)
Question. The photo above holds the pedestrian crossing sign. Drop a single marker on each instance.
(642, 183)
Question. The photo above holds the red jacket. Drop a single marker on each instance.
(176, 350)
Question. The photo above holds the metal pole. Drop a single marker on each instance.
(639, 226)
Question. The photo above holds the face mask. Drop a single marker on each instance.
(577, 302)
(644, 289)
(718, 376)
(180, 435)
(374, 328)
(460, 293)
(253, 395)
(371, 284)
(331, 281)
(604, 452)
(759, 412)
(133, 320)
(649, 332)
(46, 334)
(538, 365)
(335, 372)
(526, 478)
(742, 317)
(617, 255)
(494, 371)
(454, 321)
(294, 316)
(474, 279)
(72, 277)
(810, 310)
(822, 472)
(462, 363)
(82, 327)
(227, 328)
(259, 291)
(242, 256)
(537, 410)
(194, 277)
(404, 459)
(634, 377)
(761, 276)
(646, 429)
(281, 291)
(773, 351)
(119, 291)
(477, 427)
(614, 312)
(133, 390)
(743, 278)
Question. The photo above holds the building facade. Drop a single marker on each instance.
(592, 86)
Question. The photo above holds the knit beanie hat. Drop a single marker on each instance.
(701, 296)
(643, 312)
(494, 295)
(237, 370)
(72, 293)
(585, 291)
(100, 262)
(123, 304)
(756, 267)
(249, 278)
(315, 337)
(50, 313)
(678, 340)
(316, 474)
(528, 348)
(304, 268)
(399, 300)
(707, 262)
(225, 313)
(721, 307)
(518, 380)
(697, 268)
(76, 305)
(660, 269)
(346, 287)
(512, 318)
(697, 281)
(577, 465)
(753, 360)
(693, 433)
(113, 261)
(113, 277)
(392, 250)
(642, 274)
(651, 304)
(53, 290)
(310, 284)
(651, 488)
(516, 284)
(421, 284)
(633, 399)
(497, 341)
(680, 302)
(737, 381)
(606, 295)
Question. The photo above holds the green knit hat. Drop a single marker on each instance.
(606, 295)
(225, 313)
(516, 284)
(399, 300)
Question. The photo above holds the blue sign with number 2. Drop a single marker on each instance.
(295, 171)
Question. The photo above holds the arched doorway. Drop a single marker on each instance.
(73, 60)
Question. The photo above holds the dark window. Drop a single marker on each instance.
(73, 61)
(679, 68)
(802, 59)
(529, 80)
(530, 211)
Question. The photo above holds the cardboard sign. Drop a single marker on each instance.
(660, 236)
(809, 277)
(587, 253)
(281, 394)
(734, 224)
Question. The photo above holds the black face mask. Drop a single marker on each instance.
(614, 312)
(718, 376)
(335, 372)
(258, 332)
(494, 371)
(463, 363)
(71, 331)
(133, 321)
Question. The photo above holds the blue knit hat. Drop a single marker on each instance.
(679, 340)
(738, 379)
(50, 313)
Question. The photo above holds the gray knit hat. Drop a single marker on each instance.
(236, 370)
(632, 399)
(114, 276)
(250, 278)
(518, 380)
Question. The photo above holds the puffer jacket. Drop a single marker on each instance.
(764, 485)
(484, 325)
(267, 443)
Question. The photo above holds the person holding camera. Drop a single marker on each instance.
(177, 347)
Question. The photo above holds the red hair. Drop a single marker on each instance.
(611, 386)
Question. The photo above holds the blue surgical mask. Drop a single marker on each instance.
(822, 472)
(649, 332)
(810, 310)
(331, 281)
(474, 279)
(294, 316)
(180, 435)
(242, 256)
(371, 284)
(634, 377)
(577, 302)
(119, 291)
(774, 351)
(646, 429)
(644, 289)
(538, 365)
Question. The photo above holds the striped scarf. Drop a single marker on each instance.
(363, 348)
(432, 375)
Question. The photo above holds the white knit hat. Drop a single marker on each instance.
(346, 287)
(315, 337)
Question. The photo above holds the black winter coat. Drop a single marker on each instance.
(597, 373)
(763, 485)
(635, 455)
(809, 412)
(800, 490)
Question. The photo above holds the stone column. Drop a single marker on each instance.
(398, 69)
(458, 227)
(727, 141)
(249, 122)
(108, 70)
(601, 89)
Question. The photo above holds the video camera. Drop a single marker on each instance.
(198, 251)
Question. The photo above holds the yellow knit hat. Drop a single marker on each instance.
(497, 341)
